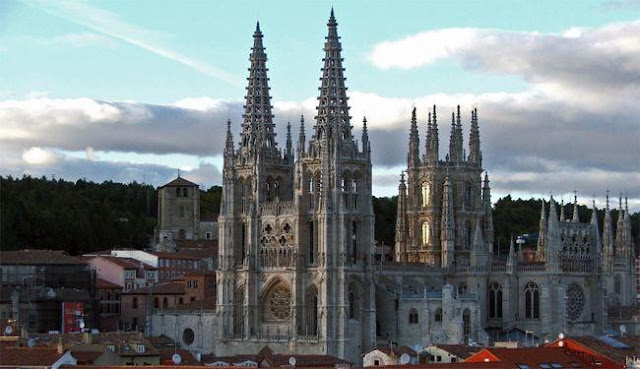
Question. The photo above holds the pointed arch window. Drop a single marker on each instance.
(466, 323)
(426, 233)
(238, 312)
(311, 315)
(354, 302)
(426, 194)
(495, 300)
(532, 301)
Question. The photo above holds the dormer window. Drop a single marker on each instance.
(140, 349)
(111, 348)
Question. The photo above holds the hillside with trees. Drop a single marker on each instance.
(85, 216)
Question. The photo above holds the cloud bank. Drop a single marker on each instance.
(577, 125)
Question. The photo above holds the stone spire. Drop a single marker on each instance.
(414, 142)
(432, 138)
(628, 238)
(301, 138)
(401, 223)
(459, 138)
(486, 198)
(576, 217)
(542, 233)
(228, 148)
(453, 140)
(594, 224)
(475, 155)
(553, 243)
(448, 225)
(333, 120)
(620, 241)
(562, 217)
(511, 258)
(607, 237)
(289, 153)
(366, 146)
(258, 127)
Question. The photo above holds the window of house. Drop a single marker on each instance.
(438, 315)
(376, 362)
(185, 192)
(141, 349)
(134, 303)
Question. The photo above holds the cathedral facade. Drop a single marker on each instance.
(296, 226)
(296, 266)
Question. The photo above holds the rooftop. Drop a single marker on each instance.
(179, 182)
(29, 356)
(37, 257)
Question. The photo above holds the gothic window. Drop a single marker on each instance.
(425, 233)
(178, 192)
(495, 300)
(277, 304)
(238, 312)
(354, 242)
(312, 248)
(532, 301)
(165, 303)
(426, 194)
(413, 316)
(185, 192)
(468, 235)
(575, 301)
(462, 288)
(312, 312)
(134, 304)
(182, 212)
(468, 197)
(466, 323)
(438, 316)
(354, 302)
(156, 303)
(617, 284)
(354, 185)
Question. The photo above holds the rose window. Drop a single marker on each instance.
(279, 303)
(575, 301)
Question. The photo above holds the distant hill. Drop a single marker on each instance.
(85, 216)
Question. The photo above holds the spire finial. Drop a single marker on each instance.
(364, 124)
(607, 199)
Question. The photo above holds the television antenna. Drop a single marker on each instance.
(405, 358)
(292, 361)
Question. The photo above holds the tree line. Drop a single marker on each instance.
(84, 216)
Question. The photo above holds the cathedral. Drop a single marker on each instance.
(296, 268)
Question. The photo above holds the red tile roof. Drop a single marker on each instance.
(101, 283)
(29, 356)
(30, 257)
(601, 348)
(175, 255)
(166, 356)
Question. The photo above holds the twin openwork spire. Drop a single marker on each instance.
(258, 127)
(333, 120)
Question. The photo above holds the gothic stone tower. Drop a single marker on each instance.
(444, 209)
(296, 238)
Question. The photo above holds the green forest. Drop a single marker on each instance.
(85, 216)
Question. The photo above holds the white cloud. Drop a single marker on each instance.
(39, 156)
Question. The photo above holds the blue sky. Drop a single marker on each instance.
(116, 81)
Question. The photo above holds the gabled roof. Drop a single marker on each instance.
(29, 356)
(600, 347)
(179, 182)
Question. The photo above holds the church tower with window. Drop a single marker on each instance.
(296, 232)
